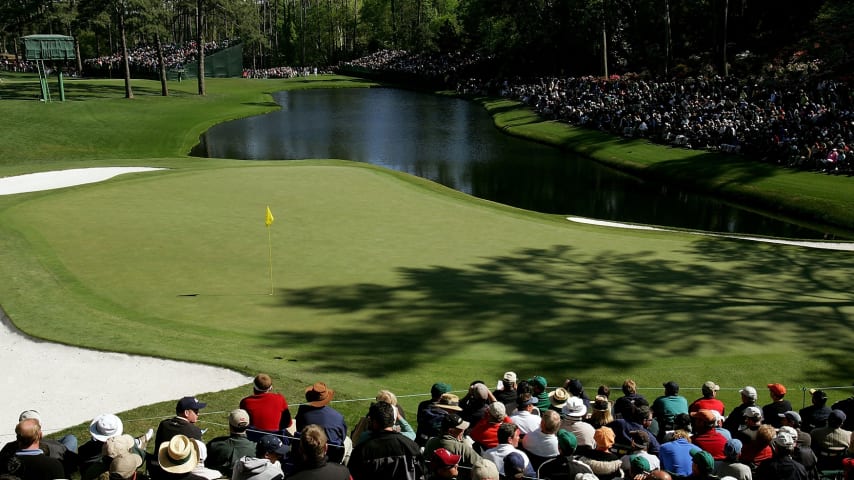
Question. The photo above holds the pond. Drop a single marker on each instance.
(454, 142)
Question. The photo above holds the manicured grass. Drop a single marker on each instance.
(383, 280)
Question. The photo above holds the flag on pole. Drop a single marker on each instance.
(268, 220)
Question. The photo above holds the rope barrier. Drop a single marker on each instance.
(416, 395)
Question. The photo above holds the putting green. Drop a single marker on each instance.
(381, 279)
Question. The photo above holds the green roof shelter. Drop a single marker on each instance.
(41, 48)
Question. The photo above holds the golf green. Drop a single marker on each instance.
(385, 280)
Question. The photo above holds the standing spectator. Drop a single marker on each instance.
(318, 412)
(268, 411)
(771, 412)
(386, 454)
(224, 452)
(183, 423)
(709, 400)
(315, 465)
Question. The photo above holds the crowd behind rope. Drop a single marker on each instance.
(516, 429)
(144, 58)
(805, 123)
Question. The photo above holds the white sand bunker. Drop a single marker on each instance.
(846, 246)
(71, 385)
(34, 182)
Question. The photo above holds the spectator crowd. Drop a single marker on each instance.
(517, 429)
(144, 58)
(803, 123)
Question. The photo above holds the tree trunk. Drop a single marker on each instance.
(723, 50)
(164, 88)
(125, 62)
(200, 45)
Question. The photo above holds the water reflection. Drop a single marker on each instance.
(453, 142)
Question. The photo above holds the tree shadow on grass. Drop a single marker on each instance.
(77, 90)
(560, 306)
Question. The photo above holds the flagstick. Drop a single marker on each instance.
(270, 243)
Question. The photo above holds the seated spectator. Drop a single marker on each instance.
(453, 429)
(485, 470)
(640, 441)
(831, 443)
(506, 392)
(576, 389)
(815, 415)
(782, 466)
(485, 433)
(251, 468)
(572, 420)
(443, 464)
(387, 453)
(526, 417)
(703, 464)
(735, 420)
(475, 401)
(757, 450)
(316, 411)
(276, 451)
(752, 421)
(224, 452)
(29, 462)
(538, 385)
(508, 442)
(793, 419)
(177, 457)
(64, 449)
(564, 465)
(846, 406)
(709, 400)
(429, 415)
(315, 464)
(514, 466)
(675, 455)
(542, 443)
(268, 411)
(604, 463)
(705, 436)
(771, 412)
(623, 405)
(667, 406)
(183, 423)
(639, 420)
(600, 414)
(730, 466)
(101, 428)
(557, 399)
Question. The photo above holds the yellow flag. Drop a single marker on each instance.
(268, 220)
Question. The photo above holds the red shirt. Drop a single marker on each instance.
(707, 404)
(486, 433)
(265, 410)
(712, 442)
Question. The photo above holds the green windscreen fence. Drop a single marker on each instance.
(224, 63)
(48, 47)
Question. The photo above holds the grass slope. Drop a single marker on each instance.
(383, 279)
